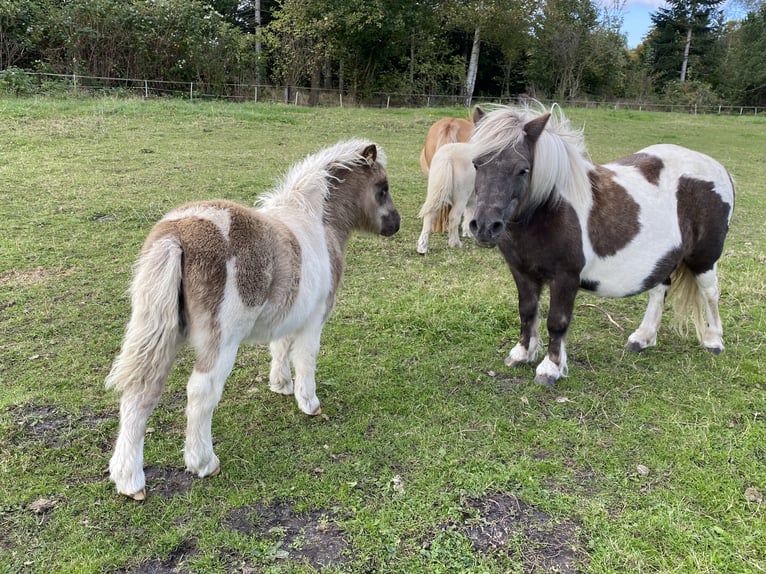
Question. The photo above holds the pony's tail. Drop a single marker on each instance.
(687, 301)
(155, 329)
(439, 196)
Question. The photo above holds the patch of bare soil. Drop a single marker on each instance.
(310, 537)
(51, 425)
(173, 564)
(167, 482)
(548, 544)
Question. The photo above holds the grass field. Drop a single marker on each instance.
(433, 456)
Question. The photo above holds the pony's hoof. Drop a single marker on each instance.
(715, 350)
(216, 472)
(546, 380)
(317, 412)
(513, 363)
(140, 496)
(634, 346)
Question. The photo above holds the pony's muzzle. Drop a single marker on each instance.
(390, 224)
(487, 234)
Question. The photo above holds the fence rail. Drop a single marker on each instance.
(16, 81)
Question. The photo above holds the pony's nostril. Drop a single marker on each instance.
(496, 228)
(473, 227)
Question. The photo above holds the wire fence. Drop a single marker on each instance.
(21, 82)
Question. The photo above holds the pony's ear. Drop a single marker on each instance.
(370, 153)
(535, 127)
(477, 115)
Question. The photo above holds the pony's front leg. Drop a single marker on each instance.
(204, 391)
(428, 220)
(646, 334)
(280, 377)
(526, 349)
(303, 354)
(563, 293)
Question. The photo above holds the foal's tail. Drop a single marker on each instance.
(439, 196)
(154, 331)
(687, 301)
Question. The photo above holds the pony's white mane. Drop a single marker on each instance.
(307, 183)
(561, 164)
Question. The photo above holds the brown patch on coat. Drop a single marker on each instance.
(268, 266)
(650, 166)
(703, 217)
(613, 219)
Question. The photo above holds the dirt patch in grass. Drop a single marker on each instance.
(35, 276)
(503, 522)
(167, 482)
(51, 425)
(309, 537)
(173, 564)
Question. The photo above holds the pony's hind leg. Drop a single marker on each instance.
(428, 220)
(712, 334)
(280, 377)
(453, 225)
(470, 209)
(646, 334)
(204, 391)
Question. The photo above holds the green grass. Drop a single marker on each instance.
(410, 373)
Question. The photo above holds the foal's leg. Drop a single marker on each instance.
(428, 220)
(203, 394)
(280, 377)
(529, 341)
(713, 334)
(303, 355)
(646, 334)
(563, 293)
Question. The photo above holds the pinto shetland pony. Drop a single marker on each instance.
(217, 273)
(653, 221)
(450, 191)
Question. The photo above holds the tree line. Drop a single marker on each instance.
(550, 49)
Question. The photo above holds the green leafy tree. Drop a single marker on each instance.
(746, 66)
(684, 40)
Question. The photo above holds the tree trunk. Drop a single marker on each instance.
(257, 5)
(470, 80)
(685, 63)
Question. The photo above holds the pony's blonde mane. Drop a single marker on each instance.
(307, 184)
(561, 164)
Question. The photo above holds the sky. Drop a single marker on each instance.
(636, 19)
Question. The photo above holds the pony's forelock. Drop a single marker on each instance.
(560, 165)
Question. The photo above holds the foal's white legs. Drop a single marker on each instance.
(126, 467)
(302, 351)
(646, 334)
(203, 394)
(470, 209)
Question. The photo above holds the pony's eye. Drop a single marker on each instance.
(524, 171)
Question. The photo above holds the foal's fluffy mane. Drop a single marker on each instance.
(561, 165)
(307, 183)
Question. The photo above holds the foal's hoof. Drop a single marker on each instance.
(317, 412)
(546, 380)
(139, 496)
(715, 350)
(513, 364)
